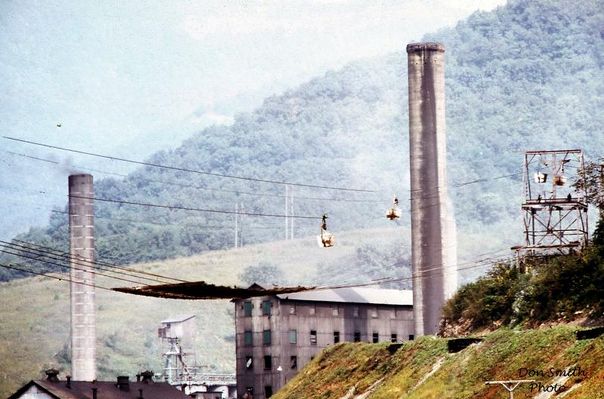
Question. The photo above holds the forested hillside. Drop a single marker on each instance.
(529, 75)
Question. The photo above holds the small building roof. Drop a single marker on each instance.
(203, 290)
(377, 296)
(178, 319)
(105, 390)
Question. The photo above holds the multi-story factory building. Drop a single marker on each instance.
(277, 335)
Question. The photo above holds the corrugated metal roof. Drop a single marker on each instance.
(378, 296)
(203, 290)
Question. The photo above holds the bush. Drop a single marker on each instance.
(555, 288)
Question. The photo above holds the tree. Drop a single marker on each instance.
(264, 274)
(592, 181)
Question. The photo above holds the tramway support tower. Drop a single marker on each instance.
(555, 212)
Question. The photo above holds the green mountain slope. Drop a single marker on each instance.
(424, 369)
(528, 75)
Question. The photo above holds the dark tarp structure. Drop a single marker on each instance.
(203, 290)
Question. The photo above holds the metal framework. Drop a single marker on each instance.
(180, 366)
(555, 212)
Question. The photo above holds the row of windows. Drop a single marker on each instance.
(268, 362)
(248, 306)
(248, 337)
(268, 391)
(266, 307)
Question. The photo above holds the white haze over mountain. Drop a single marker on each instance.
(131, 78)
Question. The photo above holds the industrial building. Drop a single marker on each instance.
(54, 388)
(277, 335)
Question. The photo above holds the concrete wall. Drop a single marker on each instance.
(304, 316)
(81, 232)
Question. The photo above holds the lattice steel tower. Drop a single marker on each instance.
(555, 212)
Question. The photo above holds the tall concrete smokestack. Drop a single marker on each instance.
(81, 235)
(433, 250)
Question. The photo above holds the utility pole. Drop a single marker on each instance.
(289, 212)
(292, 213)
(286, 209)
(237, 224)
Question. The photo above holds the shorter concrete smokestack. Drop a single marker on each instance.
(81, 235)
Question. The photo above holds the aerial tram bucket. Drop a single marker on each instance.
(325, 239)
(395, 211)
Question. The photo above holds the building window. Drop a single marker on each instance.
(293, 336)
(266, 308)
(312, 310)
(357, 336)
(411, 337)
(293, 362)
(355, 311)
(248, 338)
(266, 337)
(268, 391)
(336, 337)
(268, 362)
(335, 311)
(313, 337)
(247, 308)
(292, 309)
(249, 362)
(374, 313)
(393, 338)
(375, 338)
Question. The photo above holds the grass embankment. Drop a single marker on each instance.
(424, 369)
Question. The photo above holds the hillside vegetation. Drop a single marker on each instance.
(527, 75)
(424, 368)
(554, 289)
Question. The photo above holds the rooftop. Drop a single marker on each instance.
(378, 296)
(105, 390)
(178, 319)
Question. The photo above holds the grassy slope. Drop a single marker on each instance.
(34, 312)
(424, 369)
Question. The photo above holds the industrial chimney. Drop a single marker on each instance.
(81, 235)
(433, 238)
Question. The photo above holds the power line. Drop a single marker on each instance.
(11, 266)
(102, 263)
(181, 169)
(424, 274)
(38, 254)
(183, 208)
(170, 224)
(38, 259)
(197, 187)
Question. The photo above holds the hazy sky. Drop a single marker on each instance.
(131, 77)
